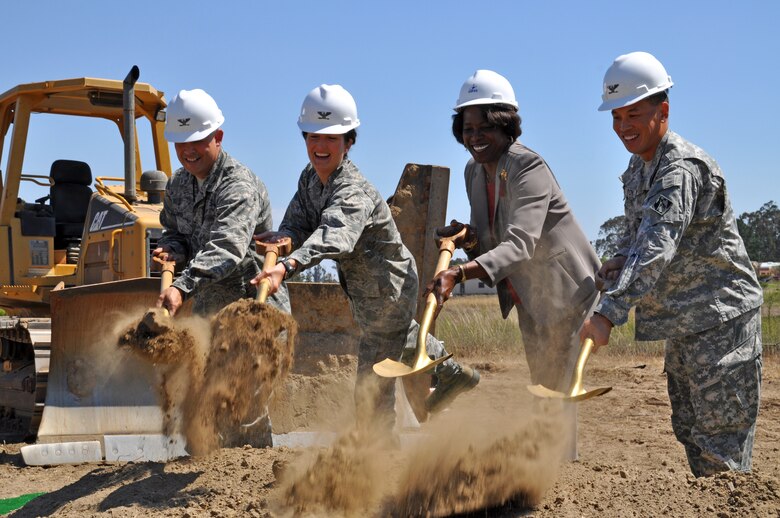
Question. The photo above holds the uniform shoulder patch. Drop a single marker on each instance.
(662, 205)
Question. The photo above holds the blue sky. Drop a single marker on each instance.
(404, 63)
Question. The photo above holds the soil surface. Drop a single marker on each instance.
(494, 453)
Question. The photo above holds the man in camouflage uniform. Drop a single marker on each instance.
(213, 206)
(337, 214)
(684, 266)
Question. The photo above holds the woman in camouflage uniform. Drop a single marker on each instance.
(337, 214)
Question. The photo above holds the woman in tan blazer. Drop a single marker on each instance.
(523, 237)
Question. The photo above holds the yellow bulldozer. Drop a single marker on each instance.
(77, 234)
(76, 260)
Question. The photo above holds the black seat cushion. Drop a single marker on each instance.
(70, 196)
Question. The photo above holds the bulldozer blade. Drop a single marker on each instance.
(94, 386)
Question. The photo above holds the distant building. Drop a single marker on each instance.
(473, 287)
(768, 269)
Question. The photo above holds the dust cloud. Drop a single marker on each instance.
(477, 468)
(251, 351)
(466, 459)
(215, 373)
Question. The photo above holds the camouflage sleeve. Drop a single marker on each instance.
(237, 207)
(341, 224)
(171, 237)
(666, 213)
(624, 243)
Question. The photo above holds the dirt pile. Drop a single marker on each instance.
(630, 463)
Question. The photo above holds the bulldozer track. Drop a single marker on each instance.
(26, 347)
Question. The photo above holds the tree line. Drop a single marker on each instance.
(760, 230)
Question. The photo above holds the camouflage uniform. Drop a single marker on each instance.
(211, 225)
(347, 221)
(690, 277)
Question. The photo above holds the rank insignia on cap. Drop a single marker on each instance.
(183, 122)
(662, 205)
(324, 115)
(611, 89)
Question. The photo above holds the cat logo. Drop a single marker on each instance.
(611, 89)
(184, 122)
(97, 221)
(324, 115)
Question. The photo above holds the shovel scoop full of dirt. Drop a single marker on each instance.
(157, 337)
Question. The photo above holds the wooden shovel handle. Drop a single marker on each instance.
(271, 251)
(166, 272)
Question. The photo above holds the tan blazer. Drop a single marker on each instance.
(536, 242)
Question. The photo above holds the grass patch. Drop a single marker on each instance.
(770, 318)
(471, 326)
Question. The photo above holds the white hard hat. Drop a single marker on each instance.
(486, 87)
(192, 115)
(328, 109)
(631, 78)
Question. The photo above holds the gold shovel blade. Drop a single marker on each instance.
(543, 392)
(589, 394)
(388, 368)
(576, 393)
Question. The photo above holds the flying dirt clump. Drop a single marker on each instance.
(251, 351)
(349, 477)
(158, 338)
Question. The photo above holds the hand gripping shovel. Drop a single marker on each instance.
(271, 251)
(576, 392)
(388, 368)
(151, 317)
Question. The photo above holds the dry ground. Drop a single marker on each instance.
(629, 465)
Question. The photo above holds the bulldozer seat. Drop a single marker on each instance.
(70, 197)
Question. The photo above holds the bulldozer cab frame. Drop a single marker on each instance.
(35, 236)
